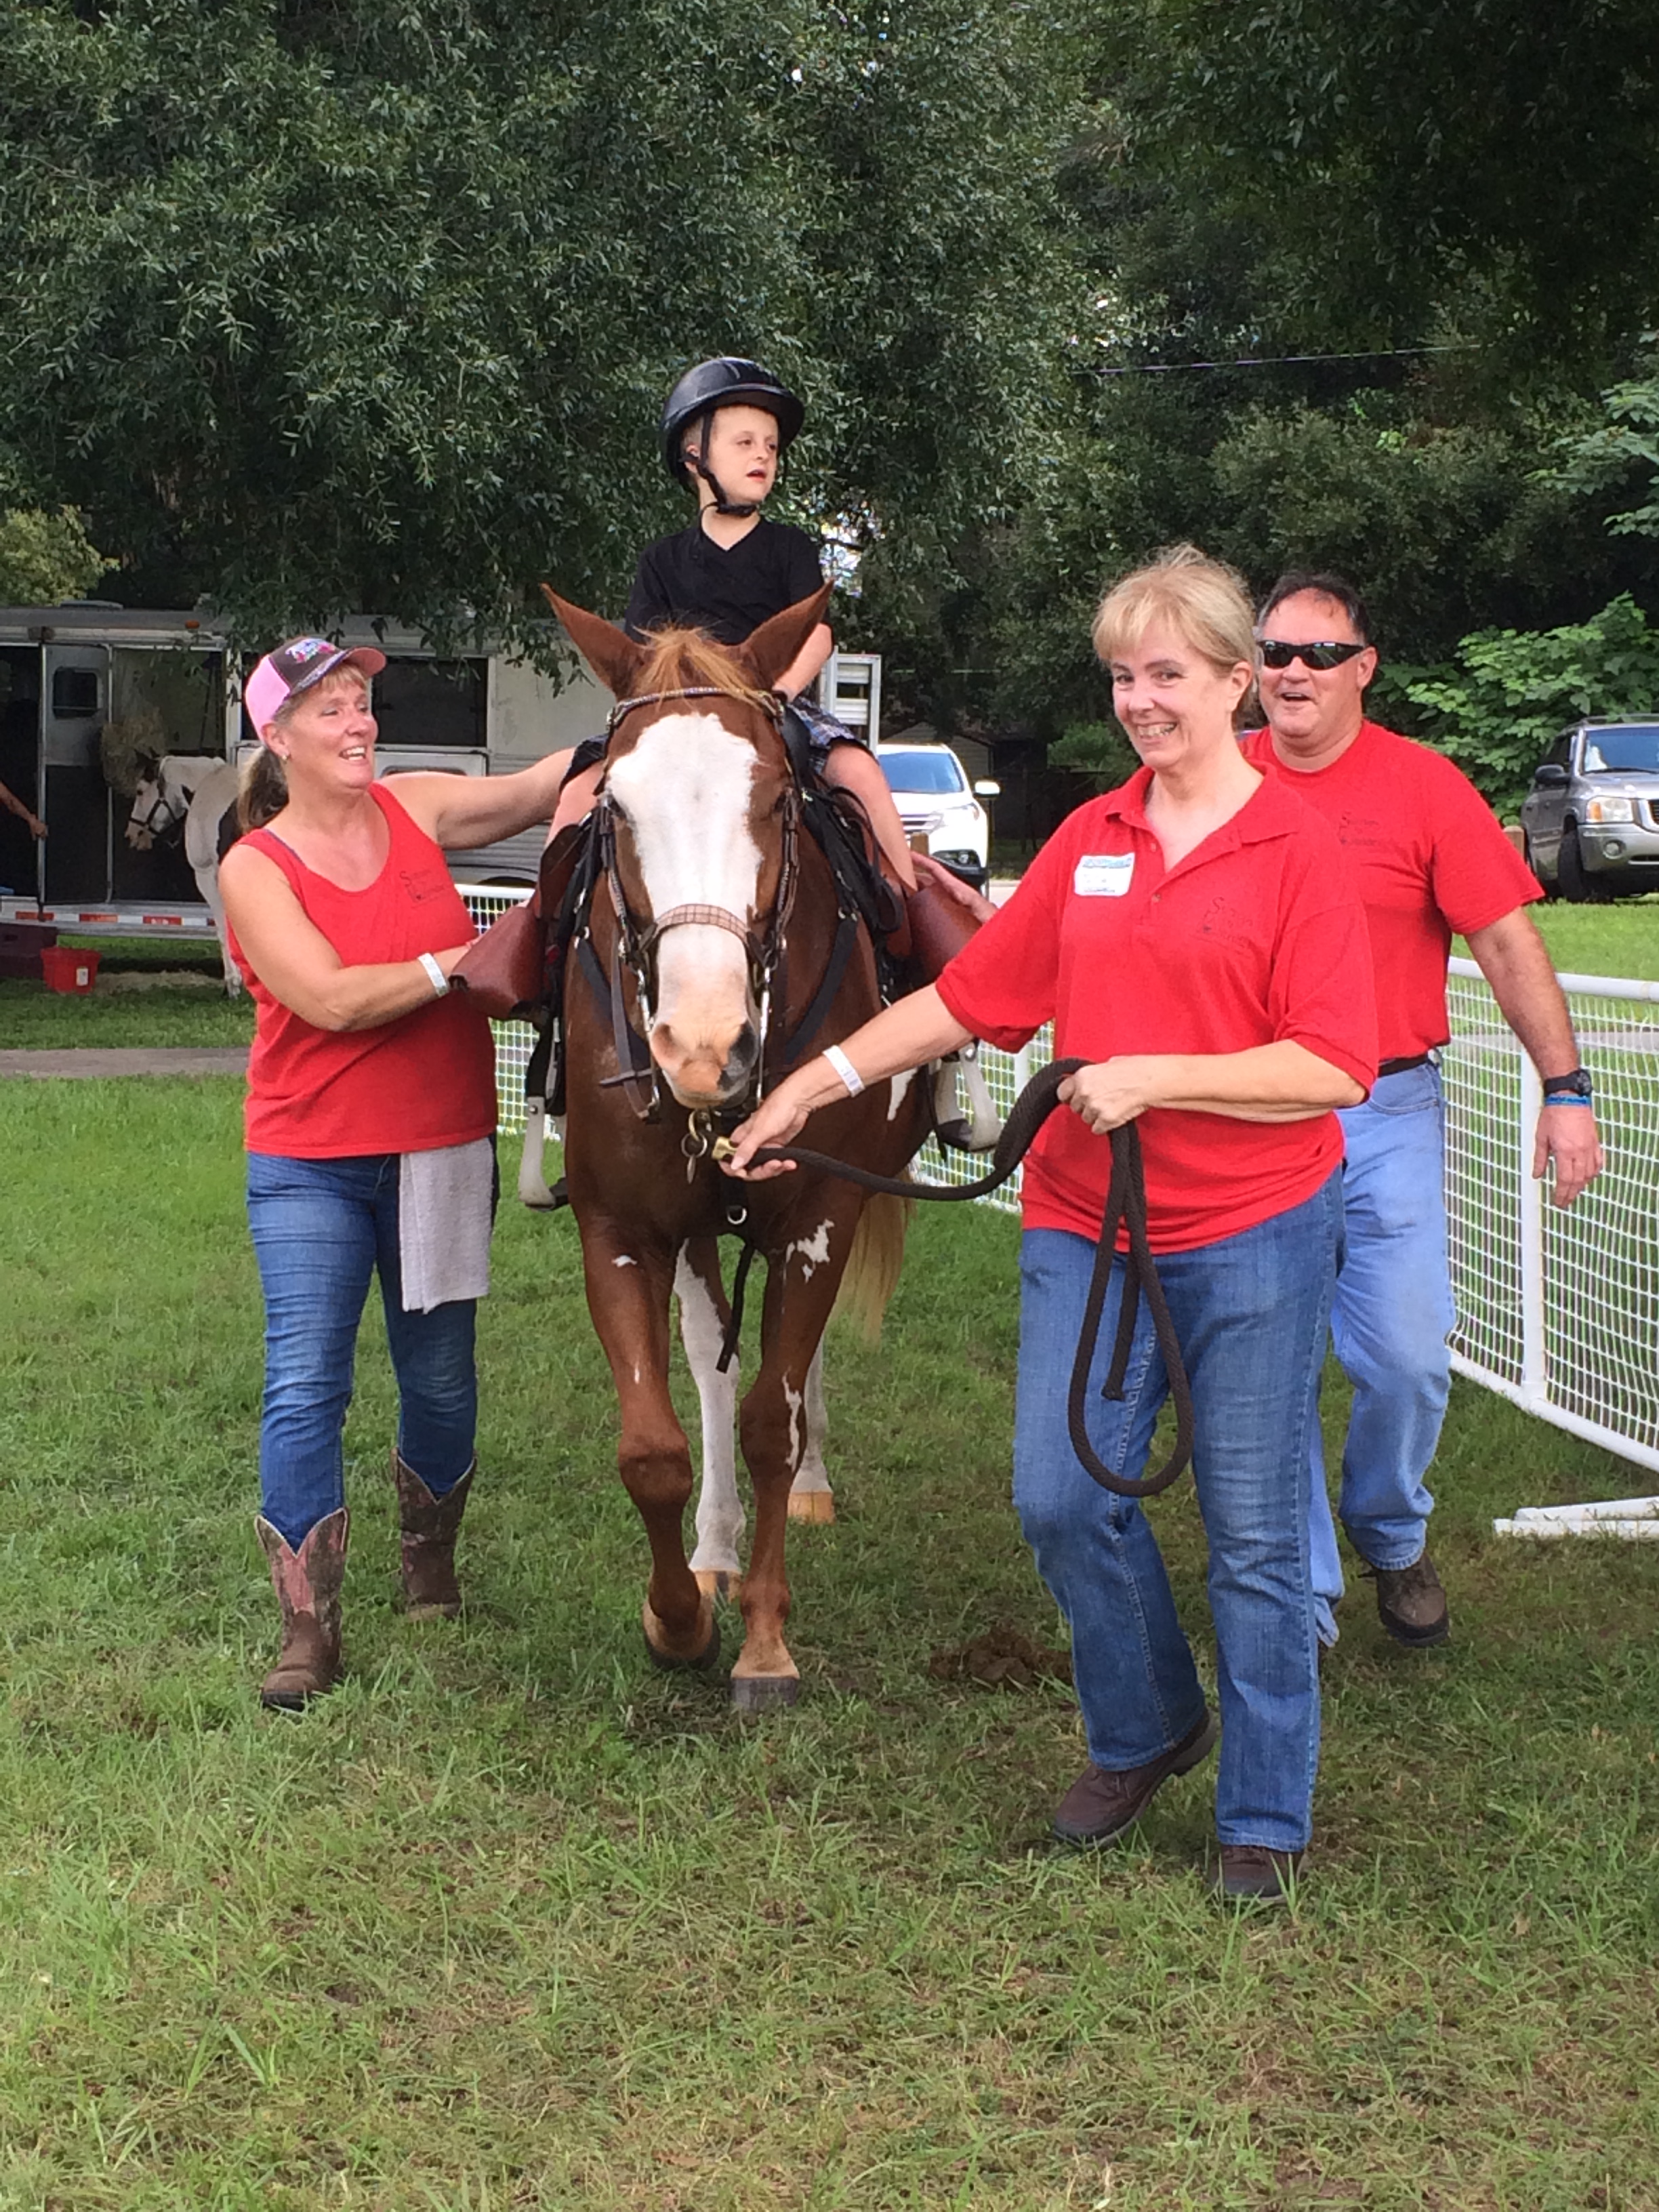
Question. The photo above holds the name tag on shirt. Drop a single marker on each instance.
(1104, 875)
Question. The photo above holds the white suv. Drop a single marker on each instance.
(939, 808)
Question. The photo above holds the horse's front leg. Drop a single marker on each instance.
(800, 1291)
(704, 1313)
(628, 1292)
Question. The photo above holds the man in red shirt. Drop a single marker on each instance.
(1432, 861)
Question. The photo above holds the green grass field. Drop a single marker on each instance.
(512, 1921)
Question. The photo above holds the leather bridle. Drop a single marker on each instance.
(162, 805)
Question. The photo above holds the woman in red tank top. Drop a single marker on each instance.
(370, 1118)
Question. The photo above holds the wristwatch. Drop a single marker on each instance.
(1572, 1088)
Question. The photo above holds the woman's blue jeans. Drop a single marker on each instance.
(322, 1228)
(1251, 1312)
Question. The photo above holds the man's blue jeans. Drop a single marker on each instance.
(322, 1228)
(1251, 1312)
(1389, 1324)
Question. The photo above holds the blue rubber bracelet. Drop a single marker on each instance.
(1566, 1098)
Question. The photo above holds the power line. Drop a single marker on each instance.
(1286, 360)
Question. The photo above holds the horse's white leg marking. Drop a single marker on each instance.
(812, 1477)
(719, 1509)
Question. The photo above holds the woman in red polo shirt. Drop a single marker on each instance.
(1194, 935)
(370, 1119)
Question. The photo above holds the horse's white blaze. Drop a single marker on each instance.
(685, 789)
(719, 1509)
(898, 1086)
(813, 1251)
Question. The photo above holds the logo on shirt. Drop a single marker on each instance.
(422, 883)
(1102, 875)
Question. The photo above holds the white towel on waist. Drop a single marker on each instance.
(444, 1222)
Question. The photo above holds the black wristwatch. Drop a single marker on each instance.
(1575, 1088)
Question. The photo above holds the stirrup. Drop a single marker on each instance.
(978, 1128)
(533, 1187)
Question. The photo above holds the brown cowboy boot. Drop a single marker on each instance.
(307, 1585)
(429, 1528)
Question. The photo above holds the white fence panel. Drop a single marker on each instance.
(1557, 1311)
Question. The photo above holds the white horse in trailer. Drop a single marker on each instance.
(195, 791)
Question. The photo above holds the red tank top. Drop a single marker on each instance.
(428, 1079)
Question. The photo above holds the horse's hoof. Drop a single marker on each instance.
(813, 1505)
(702, 1659)
(719, 1583)
(764, 1693)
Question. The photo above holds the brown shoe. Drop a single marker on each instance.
(1101, 1803)
(1410, 1602)
(430, 1529)
(307, 1585)
(1250, 1874)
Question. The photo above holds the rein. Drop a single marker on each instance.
(1126, 1202)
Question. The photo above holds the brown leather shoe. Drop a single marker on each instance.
(307, 1585)
(1410, 1604)
(1101, 1804)
(429, 1526)
(1250, 1874)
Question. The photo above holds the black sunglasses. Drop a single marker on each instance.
(1277, 653)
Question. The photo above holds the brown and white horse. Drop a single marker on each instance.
(192, 793)
(708, 937)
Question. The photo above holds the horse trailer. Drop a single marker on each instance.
(90, 692)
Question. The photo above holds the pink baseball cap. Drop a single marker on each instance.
(296, 666)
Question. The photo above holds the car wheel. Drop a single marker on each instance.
(1582, 888)
(1551, 887)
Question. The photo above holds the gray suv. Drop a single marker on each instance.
(1591, 818)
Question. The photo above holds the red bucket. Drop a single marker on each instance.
(65, 969)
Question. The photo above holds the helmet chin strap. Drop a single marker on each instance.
(741, 508)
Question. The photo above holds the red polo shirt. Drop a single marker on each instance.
(1432, 861)
(1256, 936)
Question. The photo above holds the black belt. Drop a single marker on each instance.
(1404, 1067)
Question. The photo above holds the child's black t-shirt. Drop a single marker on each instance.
(689, 581)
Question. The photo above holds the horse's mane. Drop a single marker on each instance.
(682, 659)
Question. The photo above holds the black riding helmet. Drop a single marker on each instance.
(725, 381)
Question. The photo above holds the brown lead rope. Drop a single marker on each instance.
(1126, 1201)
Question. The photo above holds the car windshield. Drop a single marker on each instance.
(927, 772)
(1611, 752)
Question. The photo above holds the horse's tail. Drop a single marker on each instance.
(873, 1266)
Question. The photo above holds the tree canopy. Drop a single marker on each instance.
(315, 308)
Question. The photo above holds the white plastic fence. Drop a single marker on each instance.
(1557, 1311)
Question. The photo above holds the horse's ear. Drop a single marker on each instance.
(608, 652)
(769, 650)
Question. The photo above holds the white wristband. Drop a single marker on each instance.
(844, 1068)
(439, 981)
